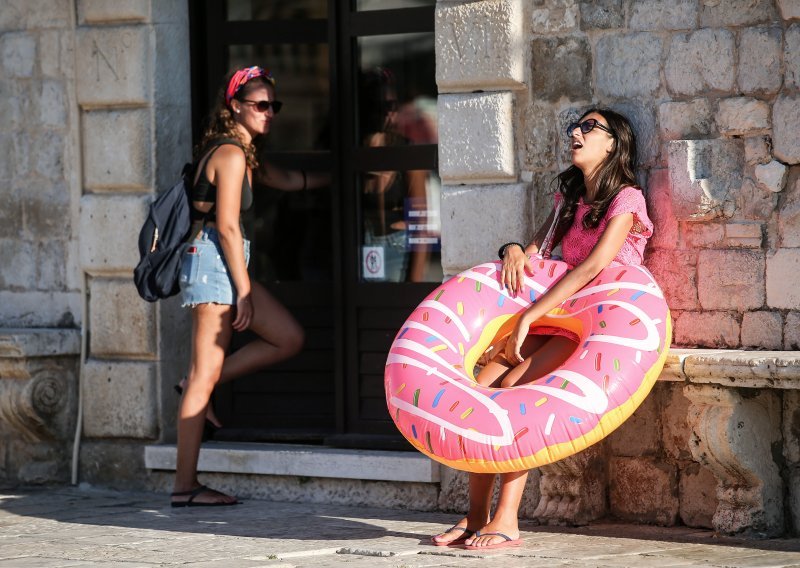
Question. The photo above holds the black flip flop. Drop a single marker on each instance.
(190, 502)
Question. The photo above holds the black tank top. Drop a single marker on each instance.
(206, 191)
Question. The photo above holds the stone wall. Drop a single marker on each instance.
(713, 92)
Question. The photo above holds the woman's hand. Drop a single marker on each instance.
(515, 263)
(514, 343)
(244, 313)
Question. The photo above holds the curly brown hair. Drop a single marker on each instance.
(221, 123)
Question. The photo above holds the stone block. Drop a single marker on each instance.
(736, 13)
(703, 235)
(479, 45)
(52, 273)
(561, 66)
(762, 330)
(476, 138)
(117, 60)
(730, 279)
(34, 14)
(791, 56)
(790, 10)
(119, 400)
(59, 45)
(40, 309)
(52, 104)
(758, 149)
(44, 205)
(102, 12)
(742, 116)
(707, 329)
(644, 490)
(11, 225)
(554, 16)
(174, 148)
(109, 228)
(698, 496)
(639, 435)
(704, 176)
(686, 120)
(121, 324)
(539, 135)
(114, 464)
(469, 238)
(171, 51)
(658, 15)
(116, 149)
(789, 212)
(791, 332)
(701, 61)
(785, 134)
(47, 159)
(642, 116)
(744, 234)
(602, 14)
(783, 273)
(20, 259)
(676, 274)
(751, 202)
(674, 430)
(791, 426)
(771, 176)
(17, 55)
(659, 208)
(760, 61)
(631, 65)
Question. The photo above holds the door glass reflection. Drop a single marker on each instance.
(243, 10)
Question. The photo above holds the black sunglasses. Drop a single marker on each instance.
(587, 126)
(264, 106)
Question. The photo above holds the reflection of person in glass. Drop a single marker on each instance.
(214, 280)
(388, 195)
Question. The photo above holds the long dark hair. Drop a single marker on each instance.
(617, 171)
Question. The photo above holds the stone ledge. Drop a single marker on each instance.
(734, 368)
(38, 342)
(299, 460)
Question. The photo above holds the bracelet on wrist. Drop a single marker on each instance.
(502, 251)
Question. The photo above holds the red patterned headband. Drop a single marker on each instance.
(241, 77)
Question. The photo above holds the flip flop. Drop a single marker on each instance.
(506, 543)
(190, 502)
(456, 541)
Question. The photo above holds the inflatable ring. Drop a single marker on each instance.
(625, 330)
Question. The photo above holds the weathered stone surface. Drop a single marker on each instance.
(34, 14)
(17, 54)
(468, 238)
(52, 104)
(675, 272)
(44, 204)
(478, 45)
(686, 120)
(171, 51)
(730, 279)
(19, 264)
(744, 234)
(707, 329)
(700, 62)
(791, 56)
(771, 176)
(762, 330)
(642, 116)
(742, 116)
(112, 161)
(736, 13)
(760, 61)
(674, 430)
(107, 224)
(790, 427)
(118, 59)
(174, 148)
(51, 274)
(47, 157)
(643, 490)
(704, 175)
(698, 496)
(120, 400)
(553, 16)
(785, 134)
(790, 9)
(602, 14)
(538, 137)
(659, 208)
(703, 235)
(746, 369)
(573, 490)
(789, 213)
(639, 435)
(758, 149)
(659, 15)
(115, 464)
(783, 272)
(631, 65)
(121, 324)
(561, 66)
(101, 12)
(476, 138)
(40, 309)
(59, 45)
(752, 202)
(791, 331)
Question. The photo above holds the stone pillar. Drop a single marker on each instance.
(733, 433)
(135, 131)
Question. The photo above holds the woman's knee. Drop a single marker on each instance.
(294, 340)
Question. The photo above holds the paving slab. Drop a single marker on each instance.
(60, 527)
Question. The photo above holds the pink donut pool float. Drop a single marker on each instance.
(625, 330)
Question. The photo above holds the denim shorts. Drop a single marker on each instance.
(205, 278)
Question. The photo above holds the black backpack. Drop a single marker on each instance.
(162, 240)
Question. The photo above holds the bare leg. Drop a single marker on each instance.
(545, 359)
(505, 517)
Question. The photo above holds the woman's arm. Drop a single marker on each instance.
(227, 168)
(601, 256)
(516, 262)
(290, 180)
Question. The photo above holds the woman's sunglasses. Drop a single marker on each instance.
(587, 126)
(264, 106)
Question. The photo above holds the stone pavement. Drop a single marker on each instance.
(71, 527)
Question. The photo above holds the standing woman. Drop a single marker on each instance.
(214, 279)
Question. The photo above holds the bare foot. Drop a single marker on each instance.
(201, 495)
(510, 529)
(459, 532)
